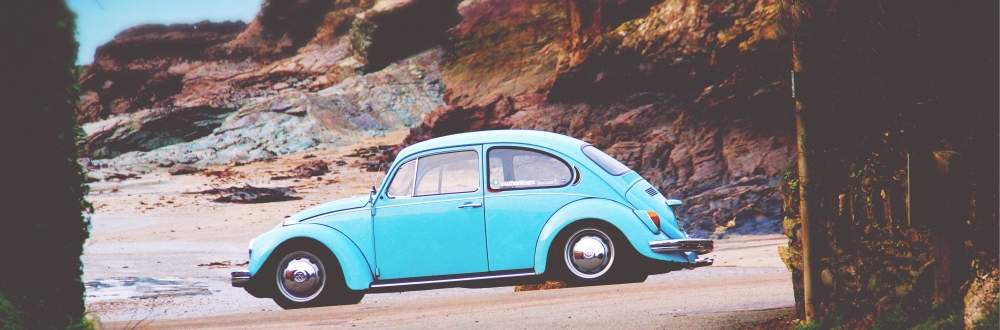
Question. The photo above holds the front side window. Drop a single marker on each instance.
(402, 183)
(608, 163)
(448, 173)
(513, 168)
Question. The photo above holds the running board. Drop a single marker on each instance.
(428, 280)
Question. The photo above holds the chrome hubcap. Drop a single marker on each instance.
(589, 253)
(300, 276)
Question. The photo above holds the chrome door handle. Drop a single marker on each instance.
(470, 204)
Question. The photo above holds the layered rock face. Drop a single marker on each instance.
(394, 29)
(692, 94)
(264, 127)
(139, 68)
(218, 93)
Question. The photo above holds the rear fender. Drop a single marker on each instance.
(615, 214)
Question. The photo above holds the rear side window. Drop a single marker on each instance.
(608, 163)
(514, 168)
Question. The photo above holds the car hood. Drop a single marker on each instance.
(352, 202)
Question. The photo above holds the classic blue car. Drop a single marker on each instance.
(476, 209)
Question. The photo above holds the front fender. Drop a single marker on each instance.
(357, 270)
(616, 214)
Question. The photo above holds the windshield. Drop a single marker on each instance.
(608, 163)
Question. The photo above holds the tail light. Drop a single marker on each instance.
(655, 217)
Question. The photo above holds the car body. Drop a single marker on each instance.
(474, 208)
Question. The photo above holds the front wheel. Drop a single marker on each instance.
(304, 279)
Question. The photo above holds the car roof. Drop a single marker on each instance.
(557, 142)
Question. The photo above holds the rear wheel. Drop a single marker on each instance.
(306, 278)
(592, 254)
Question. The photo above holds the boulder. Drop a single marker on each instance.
(182, 169)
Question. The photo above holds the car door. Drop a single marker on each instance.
(430, 219)
(525, 187)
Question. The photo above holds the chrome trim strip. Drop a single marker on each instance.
(700, 246)
(456, 279)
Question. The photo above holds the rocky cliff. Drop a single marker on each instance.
(218, 93)
(693, 94)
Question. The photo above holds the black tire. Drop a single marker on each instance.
(620, 265)
(314, 278)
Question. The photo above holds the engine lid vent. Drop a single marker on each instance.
(652, 191)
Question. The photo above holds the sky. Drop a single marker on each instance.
(97, 21)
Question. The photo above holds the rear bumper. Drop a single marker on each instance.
(699, 246)
(239, 279)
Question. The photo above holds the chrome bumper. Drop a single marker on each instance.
(239, 279)
(699, 246)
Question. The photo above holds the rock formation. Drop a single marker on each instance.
(218, 93)
(146, 66)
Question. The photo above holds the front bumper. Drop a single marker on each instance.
(239, 279)
(699, 246)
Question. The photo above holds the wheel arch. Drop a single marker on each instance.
(612, 214)
(354, 267)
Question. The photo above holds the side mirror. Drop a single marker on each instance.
(371, 196)
(674, 202)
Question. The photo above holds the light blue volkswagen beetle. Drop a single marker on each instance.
(476, 209)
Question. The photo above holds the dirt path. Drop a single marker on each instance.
(160, 256)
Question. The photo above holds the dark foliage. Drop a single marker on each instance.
(43, 228)
(893, 87)
(10, 318)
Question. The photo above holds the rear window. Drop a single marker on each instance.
(608, 163)
(515, 168)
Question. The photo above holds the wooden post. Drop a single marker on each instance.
(799, 12)
(802, 142)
